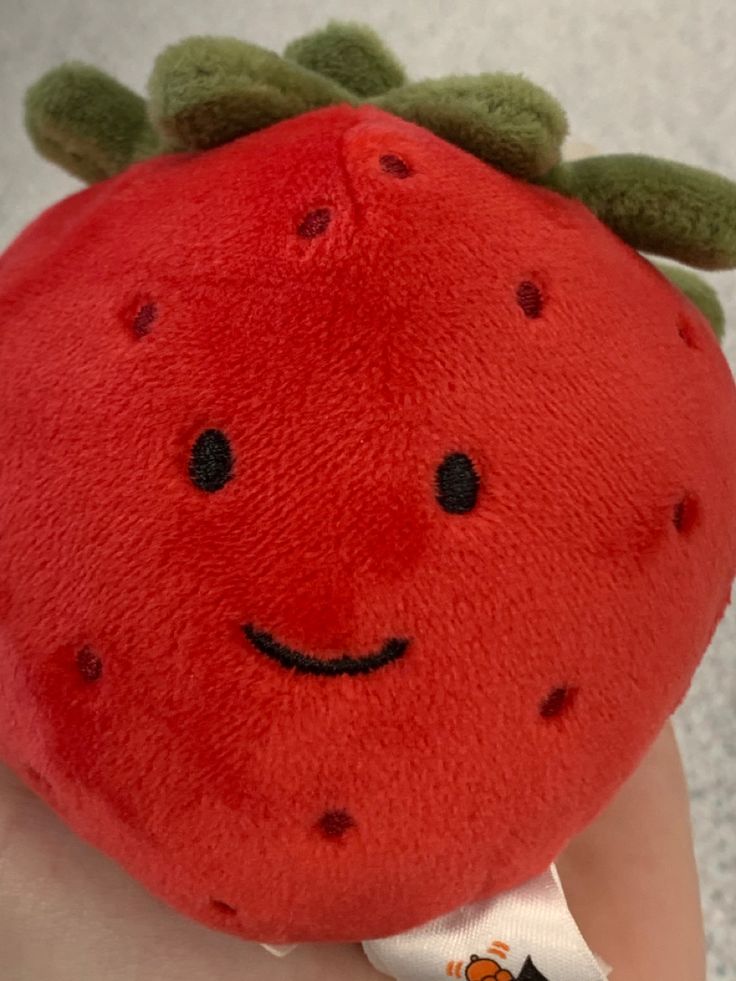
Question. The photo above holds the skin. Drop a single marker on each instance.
(631, 879)
(67, 913)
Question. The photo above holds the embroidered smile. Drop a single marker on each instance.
(289, 657)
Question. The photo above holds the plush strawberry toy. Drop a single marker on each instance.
(367, 500)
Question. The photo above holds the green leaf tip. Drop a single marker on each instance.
(206, 91)
(88, 123)
(657, 206)
(352, 55)
(699, 292)
(505, 120)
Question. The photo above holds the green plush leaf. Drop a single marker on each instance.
(88, 123)
(505, 120)
(352, 55)
(700, 293)
(657, 206)
(206, 91)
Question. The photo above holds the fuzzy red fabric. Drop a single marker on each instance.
(361, 522)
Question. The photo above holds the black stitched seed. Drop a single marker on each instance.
(89, 665)
(529, 298)
(457, 484)
(211, 462)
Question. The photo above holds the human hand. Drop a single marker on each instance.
(630, 878)
(68, 913)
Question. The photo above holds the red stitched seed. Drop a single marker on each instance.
(334, 824)
(685, 514)
(144, 318)
(89, 665)
(315, 223)
(529, 298)
(686, 330)
(558, 701)
(395, 166)
(220, 907)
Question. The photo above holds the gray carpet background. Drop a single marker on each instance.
(652, 76)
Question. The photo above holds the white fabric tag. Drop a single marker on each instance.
(526, 934)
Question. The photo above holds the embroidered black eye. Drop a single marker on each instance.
(211, 463)
(457, 484)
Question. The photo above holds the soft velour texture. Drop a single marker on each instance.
(657, 206)
(352, 55)
(87, 122)
(700, 292)
(506, 120)
(205, 91)
(364, 514)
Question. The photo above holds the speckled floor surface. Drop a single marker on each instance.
(655, 76)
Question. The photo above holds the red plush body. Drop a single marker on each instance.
(312, 702)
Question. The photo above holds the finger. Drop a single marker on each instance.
(631, 880)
